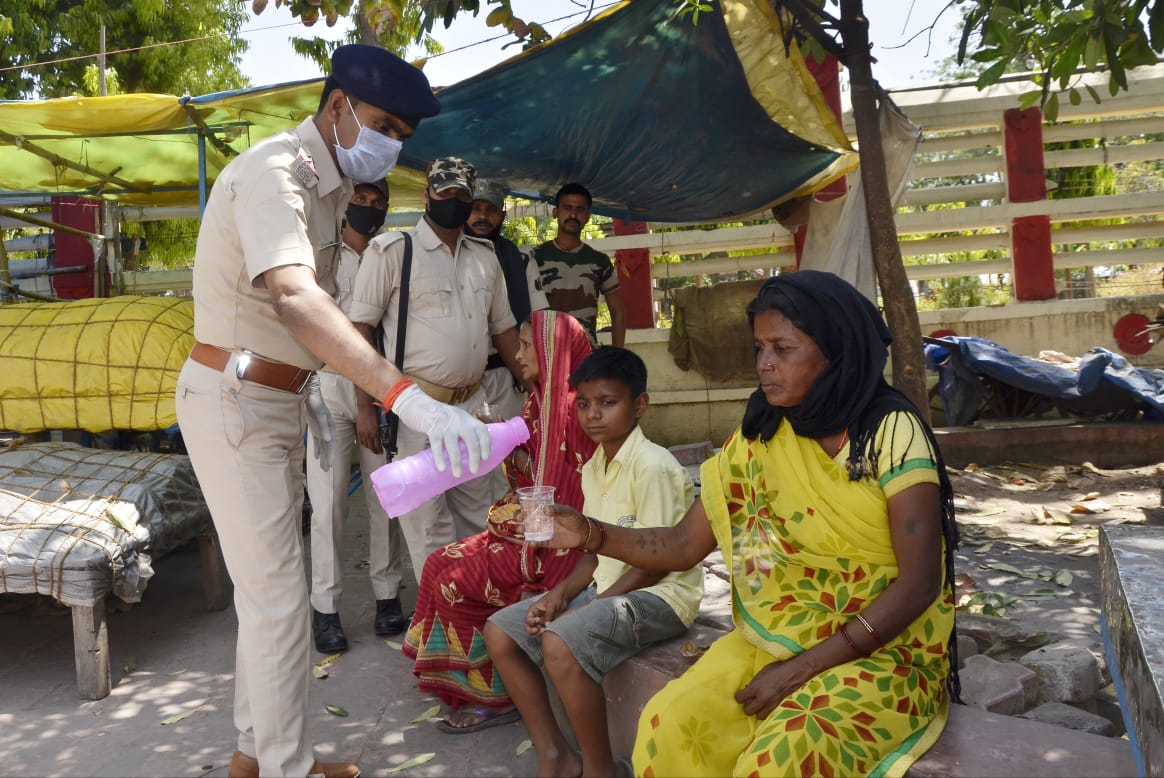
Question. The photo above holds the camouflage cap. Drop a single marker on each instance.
(449, 173)
(491, 192)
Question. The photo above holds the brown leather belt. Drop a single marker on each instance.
(444, 394)
(275, 375)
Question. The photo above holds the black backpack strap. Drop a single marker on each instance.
(390, 422)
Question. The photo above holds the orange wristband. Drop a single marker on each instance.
(395, 391)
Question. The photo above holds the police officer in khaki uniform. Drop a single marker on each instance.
(457, 306)
(328, 486)
(263, 319)
(523, 284)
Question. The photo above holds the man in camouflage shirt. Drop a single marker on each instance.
(574, 274)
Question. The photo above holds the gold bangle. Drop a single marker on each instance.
(589, 532)
(869, 627)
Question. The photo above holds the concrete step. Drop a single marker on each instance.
(980, 744)
(975, 743)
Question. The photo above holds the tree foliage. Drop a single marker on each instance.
(404, 20)
(369, 26)
(192, 46)
(1061, 38)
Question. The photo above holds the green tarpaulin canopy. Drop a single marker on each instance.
(664, 120)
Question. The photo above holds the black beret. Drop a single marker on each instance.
(379, 77)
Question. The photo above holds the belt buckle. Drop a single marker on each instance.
(242, 363)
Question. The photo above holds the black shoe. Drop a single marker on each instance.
(389, 617)
(328, 633)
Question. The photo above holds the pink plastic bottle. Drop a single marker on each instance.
(405, 484)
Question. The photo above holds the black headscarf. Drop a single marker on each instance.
(851, 394)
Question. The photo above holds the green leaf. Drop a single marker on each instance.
(413, 762)
(991, 74)
(1051, 108)
(1074, 96)
(1091, 90)
(499, 16)
(319, 672)
(180, 716)
(1027, 99)
(1091, 52)
(428, 714)
(1063, 578)
(1156, 25)
(335, 710)
(524, 746)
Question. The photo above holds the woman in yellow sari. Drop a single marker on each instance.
(835, 518)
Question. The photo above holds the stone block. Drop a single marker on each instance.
(1068, 716)
(999, 687)
(631, 684)
(1068, 673)
(692, 453)
(1133, 619)
(976, 744)
(1108, 706)
(988, 630)
(967, 647)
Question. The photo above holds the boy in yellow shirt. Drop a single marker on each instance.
(605, 611)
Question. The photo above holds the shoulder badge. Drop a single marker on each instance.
(304, 170)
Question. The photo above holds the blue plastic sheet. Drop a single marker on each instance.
(1105, 383)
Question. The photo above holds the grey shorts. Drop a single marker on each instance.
(601, 632)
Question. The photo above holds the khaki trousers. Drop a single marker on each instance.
(455, 514)
(329, 506)
(246, 444)
(500, 394)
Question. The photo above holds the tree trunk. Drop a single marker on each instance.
(364, 32)
(900, 307)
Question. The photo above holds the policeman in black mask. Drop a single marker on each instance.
(328, 489)
(456, 309)
(503, 391)
(365, 214)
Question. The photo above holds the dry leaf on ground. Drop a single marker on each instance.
(432, 712)
(180, 716)
(413, 762)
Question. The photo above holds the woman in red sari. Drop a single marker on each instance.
(467, 581)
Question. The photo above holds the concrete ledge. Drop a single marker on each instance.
(1131, 560)
(979, 744)
(1107, 444)
(975, 743)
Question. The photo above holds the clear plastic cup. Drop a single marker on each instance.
(534, 502)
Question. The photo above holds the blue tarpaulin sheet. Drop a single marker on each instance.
(663, 120)
(1105, 382)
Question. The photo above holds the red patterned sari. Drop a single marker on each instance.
(467, 581)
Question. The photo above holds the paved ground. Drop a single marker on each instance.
(170, 656)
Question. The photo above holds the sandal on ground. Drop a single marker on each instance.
(488, 718)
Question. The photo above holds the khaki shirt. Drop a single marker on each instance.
(278, 203)
(456, 303)
(345, 277)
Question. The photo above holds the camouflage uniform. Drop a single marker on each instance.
(573, 281)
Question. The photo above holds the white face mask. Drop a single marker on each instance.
(370, 157)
